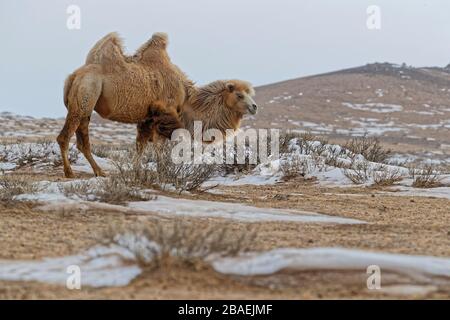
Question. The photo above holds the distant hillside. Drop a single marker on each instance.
(409, 108)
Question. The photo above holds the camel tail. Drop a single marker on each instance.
(67, 86)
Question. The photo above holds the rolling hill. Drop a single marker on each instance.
(407, 107)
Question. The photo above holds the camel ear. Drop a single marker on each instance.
(230, 86)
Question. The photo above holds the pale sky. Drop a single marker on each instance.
(260, 41)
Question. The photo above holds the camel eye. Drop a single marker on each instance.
(240, 96)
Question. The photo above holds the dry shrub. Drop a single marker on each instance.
(307, 136)
(369, 147)
(133, 170)
(310, 144)
(386, 177)
(294, 166)
(159, 244)
(240, 168)
(285, 141)
(302, 140)
(102, 150)
(359, 171)
(14, 185)
(110, 190)
(333, 157)
(43, 151)
(182, 176)
(109, 151)
(427, 176)
(155, 169)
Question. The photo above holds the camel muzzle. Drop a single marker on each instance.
(253, 109)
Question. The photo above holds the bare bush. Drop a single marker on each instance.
(110, 190)
(155, 169)
(182, 176)
(181, 241)
(306, 143)
(386, 177)
(43, 152)
(295, 166)
(14, 185)
(413, 169)
(133, 170)
(359, 171)
(369, 147)
(240, 167)
(109, 151)
(286, 141)
(334, 155)
(427, 176)
(101, 150)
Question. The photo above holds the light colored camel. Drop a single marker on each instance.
(146, 89)
(119, 88)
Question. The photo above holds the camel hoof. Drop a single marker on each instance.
(100, 174)
(69, 175)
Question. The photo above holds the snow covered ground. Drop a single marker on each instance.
(52, 195)
(273, 261)
(201, 208)
(114, 265)
(99, 266)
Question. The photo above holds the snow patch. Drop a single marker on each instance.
(100, 266)
(272, 261)
(202, 208)
(374, 107)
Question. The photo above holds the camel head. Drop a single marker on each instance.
(238, 97)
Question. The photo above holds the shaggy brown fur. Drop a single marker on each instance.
(119, 88)
(218, 105)
(159, 123)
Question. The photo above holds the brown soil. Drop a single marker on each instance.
(412, 225)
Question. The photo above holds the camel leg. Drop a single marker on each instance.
(63, 139)
(82, 97)
(84, 146)
(144, 135)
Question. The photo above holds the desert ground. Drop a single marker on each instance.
(304, 226)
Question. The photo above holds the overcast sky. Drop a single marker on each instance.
(261, 41)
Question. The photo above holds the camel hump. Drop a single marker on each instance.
(107, 51)
(154, 47)
(160, 39)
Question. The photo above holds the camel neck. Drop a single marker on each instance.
(209, 107)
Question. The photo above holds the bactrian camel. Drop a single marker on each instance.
(133, 89)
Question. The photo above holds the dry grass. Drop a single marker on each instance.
(426, 176)
(109, 151)
(43, 151)
(359, 172)
(14, 185)
(369, 147)
(295, 166)
(285, 141)
(183, 176)
(110, 190)
(386, 177)
(162, 243)
(156, 169)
